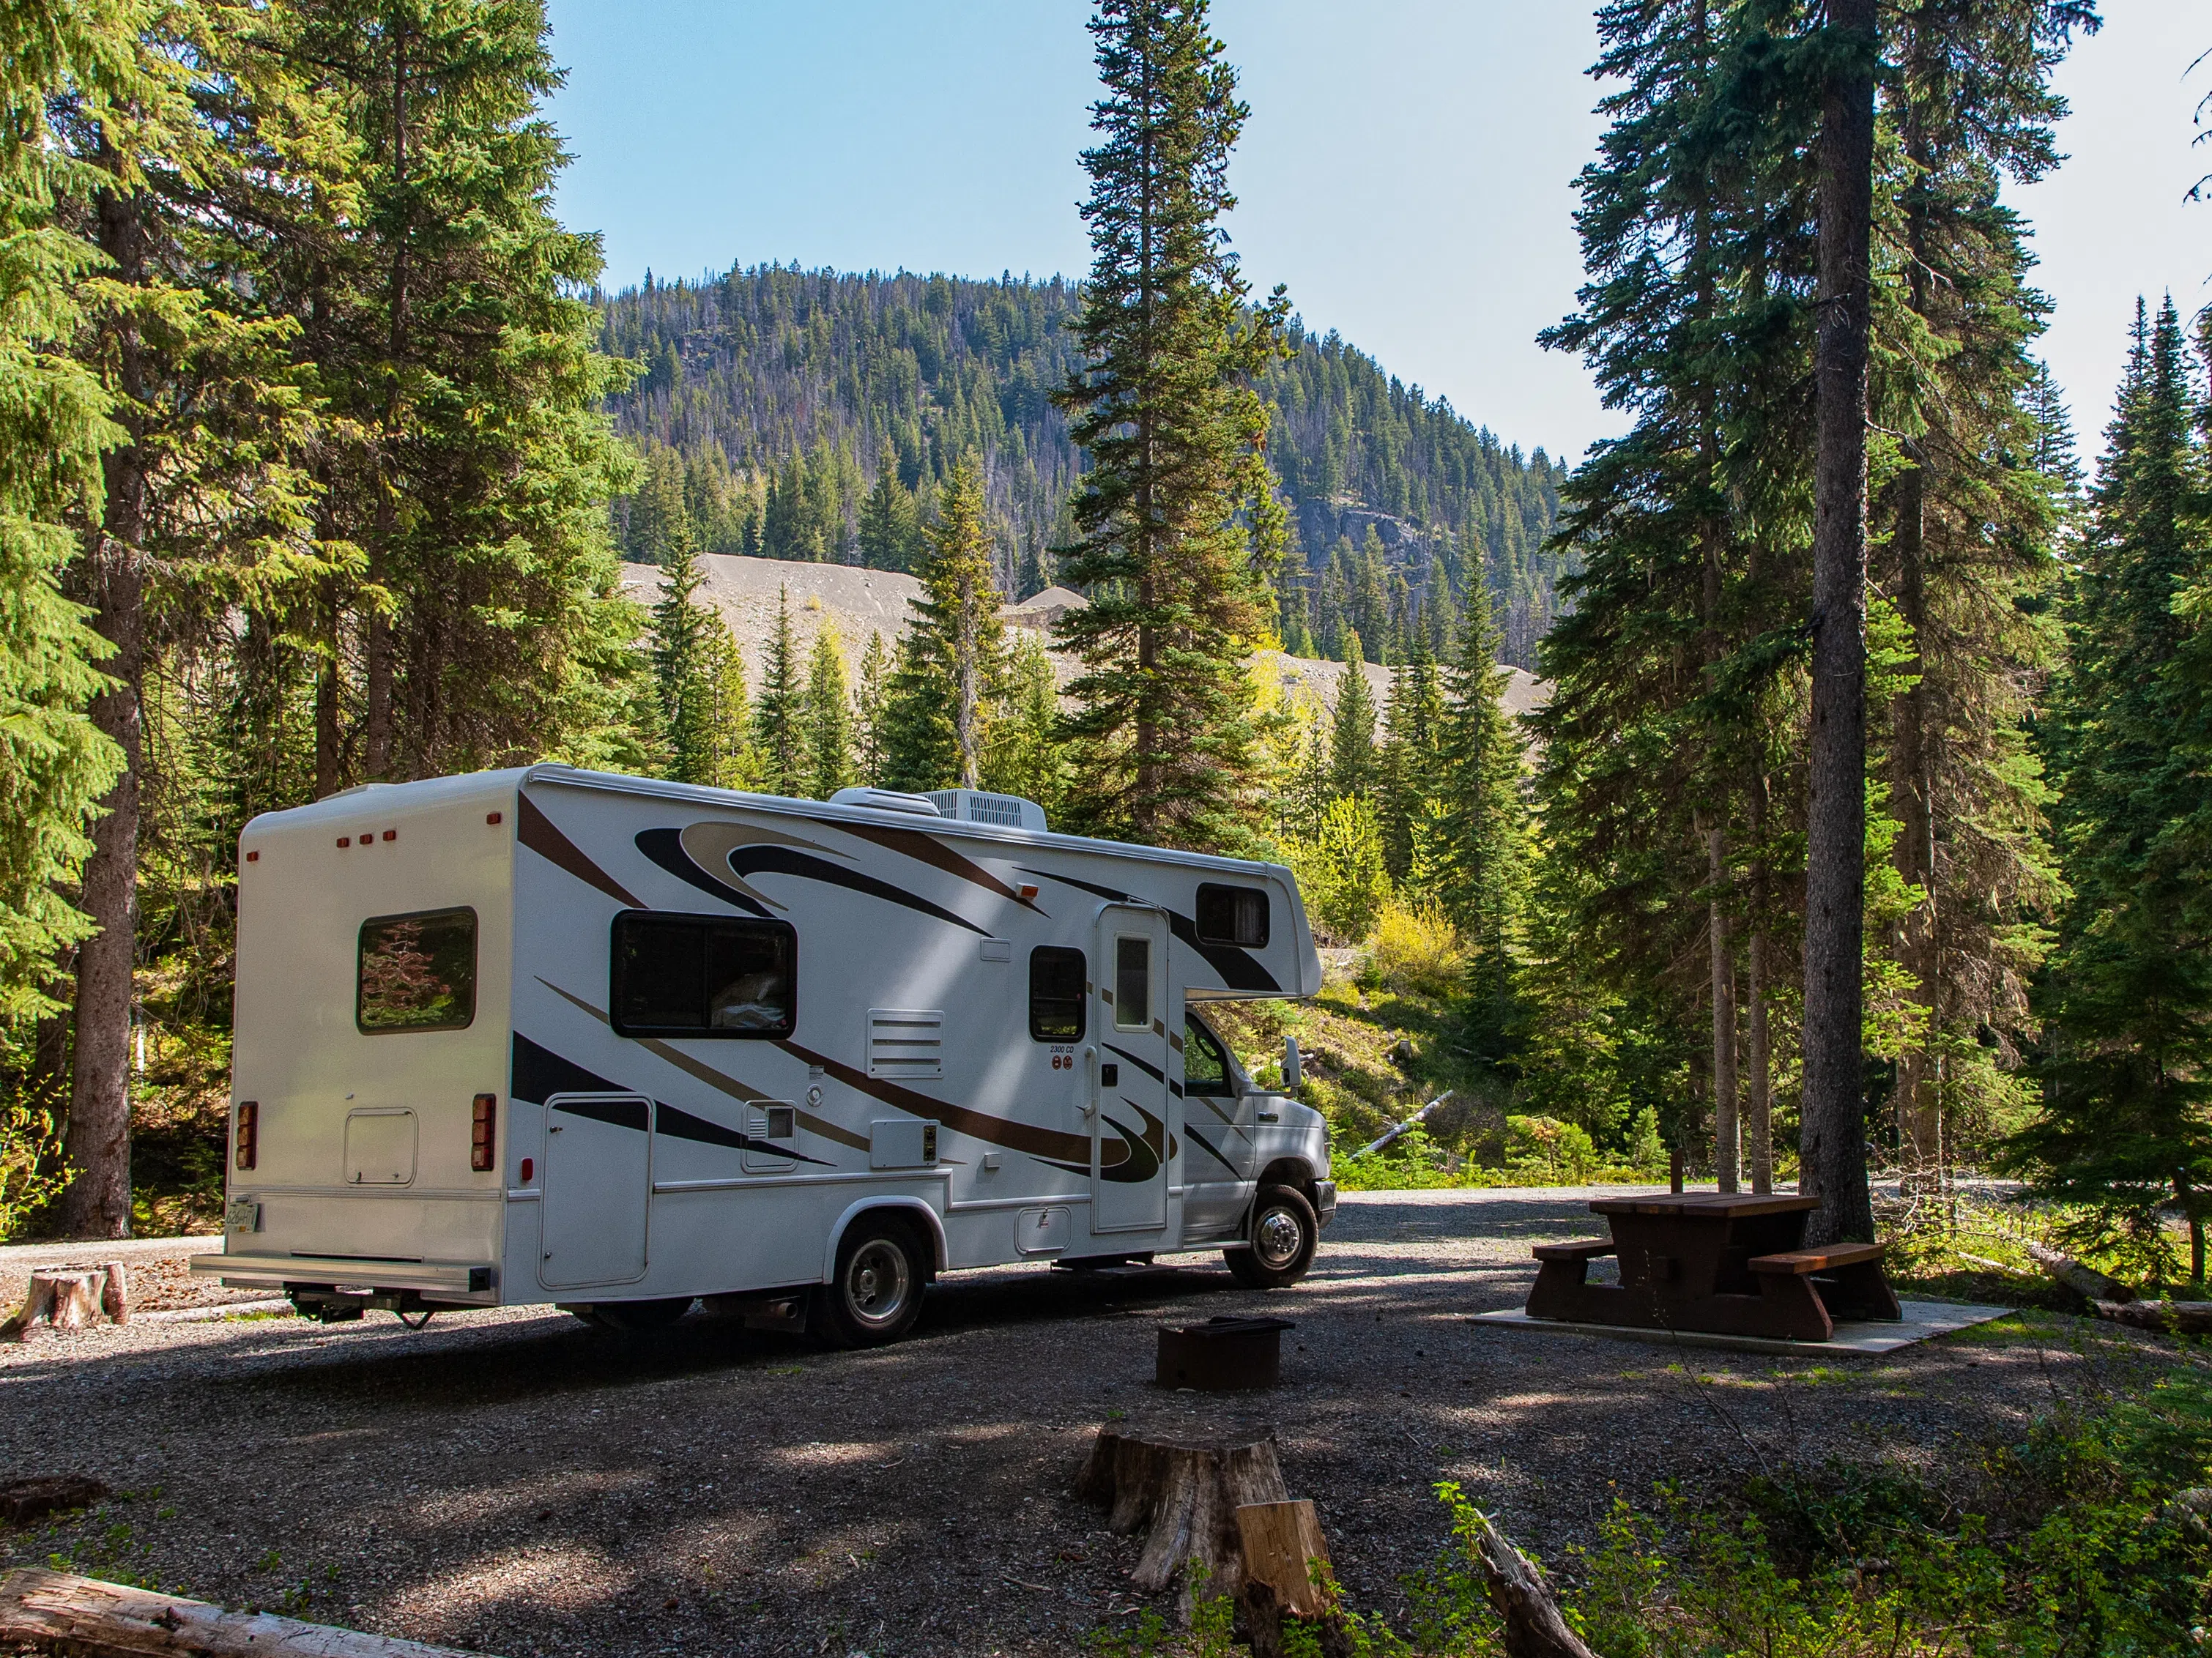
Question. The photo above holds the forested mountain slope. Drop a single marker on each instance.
(810, 414)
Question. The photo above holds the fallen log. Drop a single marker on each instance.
(2086, 1282)
(1287, 1585)
(1183, 1493)
(59, 1611)
(1535, 1626)
(2169, 1318)
(70, 1299)
(22, 1501)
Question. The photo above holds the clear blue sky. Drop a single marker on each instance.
(1409, 169)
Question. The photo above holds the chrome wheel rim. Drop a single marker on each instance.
(1278, 1238)
(877, 1283)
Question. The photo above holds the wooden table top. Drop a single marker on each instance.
(1699, 1206)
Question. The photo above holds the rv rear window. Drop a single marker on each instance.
(1057, 993)
(1232, 915)
(417, 972)
(703, 975)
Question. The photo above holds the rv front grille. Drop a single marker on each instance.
(905, 1042)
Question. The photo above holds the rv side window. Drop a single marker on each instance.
(1057, 995)
(417, 972)
(1205, 1067)
(1132, 983)
(703, 975)
(1232, 915)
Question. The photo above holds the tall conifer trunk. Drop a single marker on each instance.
(1832, 1148)
(112, 581)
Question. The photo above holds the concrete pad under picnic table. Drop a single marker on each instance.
(1922, 1320)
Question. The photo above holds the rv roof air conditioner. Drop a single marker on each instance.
(1000, 811)
(887, 801)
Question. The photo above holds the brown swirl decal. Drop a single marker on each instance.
(543, 836)
(928, 850)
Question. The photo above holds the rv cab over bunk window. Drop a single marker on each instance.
(1236, 916)
(1059, 994)
(703, 975)
(417, 972)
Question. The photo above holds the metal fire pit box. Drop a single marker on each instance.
(1223, 1355)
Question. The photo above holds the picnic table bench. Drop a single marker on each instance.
(1724, 1263)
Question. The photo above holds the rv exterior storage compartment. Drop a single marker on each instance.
(902, 1142)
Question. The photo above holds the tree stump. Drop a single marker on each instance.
(22, 1501)
(1183, 1491)
(1535, 1627)
(1287, 1580)
(70, 1300)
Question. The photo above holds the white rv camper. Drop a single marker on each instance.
(555, 1036)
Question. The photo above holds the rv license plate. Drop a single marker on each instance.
(241, 1214)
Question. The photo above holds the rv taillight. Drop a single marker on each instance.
(480, 1131)
(249, 1133)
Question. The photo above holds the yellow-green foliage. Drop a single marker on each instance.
(1416, 950)
(1341, 870)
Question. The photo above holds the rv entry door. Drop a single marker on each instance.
(597, 1190)
(1129, 1101)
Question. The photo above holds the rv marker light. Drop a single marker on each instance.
(491, 817)
(529, 1168)
(391, 834)
(480, 1131)
(345, 841)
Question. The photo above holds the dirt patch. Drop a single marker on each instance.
(514, 1481)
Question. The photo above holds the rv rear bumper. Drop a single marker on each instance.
(474, 1282)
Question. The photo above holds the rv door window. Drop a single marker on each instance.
(417, 972)
(1205, 1067)
(703, 975)
(1057, 993)
(1232, 915)
(1132, 983)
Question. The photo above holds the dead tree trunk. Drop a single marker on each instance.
(1183, 1493)
(59, 1611)
(1535, 1627)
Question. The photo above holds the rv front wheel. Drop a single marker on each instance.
(1284, 1230)
(876, 1293)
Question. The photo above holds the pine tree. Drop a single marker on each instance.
(1179, 526)
(686, 670)
(1410, 760)
(958, 642)
(55, 764)
(1022, 753)
(1352, 734)
(870, 702)
(778, 712)
(828, 718)
(889, 534)
(2127, 998)
(1482, 864)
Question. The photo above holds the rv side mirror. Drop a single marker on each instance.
(1293, 1072)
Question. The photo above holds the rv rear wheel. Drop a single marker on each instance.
(1285, 1231)
(632, 1318)
(876, 1295)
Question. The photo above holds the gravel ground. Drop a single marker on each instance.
(513, 1481)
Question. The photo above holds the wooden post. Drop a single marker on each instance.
(1675, 1169)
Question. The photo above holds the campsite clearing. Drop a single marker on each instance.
(512, 1480)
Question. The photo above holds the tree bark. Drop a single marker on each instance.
(1183, 1494)
(1727, 1141)
(1535, 1626)
(112, 581)
(65, 1612)
(1832, 1148)
(1759, 1100)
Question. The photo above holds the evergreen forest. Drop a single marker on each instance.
(814, 415)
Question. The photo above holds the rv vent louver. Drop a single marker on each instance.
(905, 1042)
(1001, 810)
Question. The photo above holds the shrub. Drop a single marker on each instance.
(1416, 951)
(1550, 1152)
(1341, 870)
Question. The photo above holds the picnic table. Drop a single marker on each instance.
(1724, 1263)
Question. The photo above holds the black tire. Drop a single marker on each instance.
(1285, 1232)
(636, 1318)
(876, 1294)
